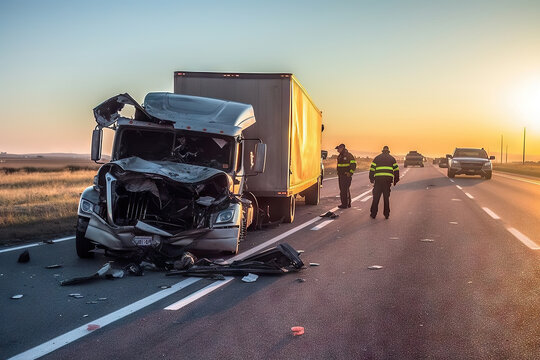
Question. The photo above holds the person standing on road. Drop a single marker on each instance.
(346, 164)
(383, 172)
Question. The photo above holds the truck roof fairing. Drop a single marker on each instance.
(200, 113)
(182, 111)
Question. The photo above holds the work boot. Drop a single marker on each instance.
(372, 216)
(386, 216)
(342, 206)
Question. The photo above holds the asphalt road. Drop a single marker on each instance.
(460, 279)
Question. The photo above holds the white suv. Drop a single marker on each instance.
(470, 161)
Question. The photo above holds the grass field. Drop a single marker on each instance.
(529, 169)
(39, 205)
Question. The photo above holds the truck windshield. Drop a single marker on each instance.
(471, 153)
(177, 146)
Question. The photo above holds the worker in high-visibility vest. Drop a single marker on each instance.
(346, 164)
(384, 172)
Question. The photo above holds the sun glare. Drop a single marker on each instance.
(525, 101)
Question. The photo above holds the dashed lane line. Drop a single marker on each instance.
(469, 195)
(36, 244)
(459, 187)
(491, 213)
(366, 198)
(321, 225)
(523, 238)
(199, 294)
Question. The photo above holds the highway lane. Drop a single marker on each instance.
(454, 284)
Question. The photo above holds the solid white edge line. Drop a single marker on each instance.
(517, 178)
(36, 244)
(524, 239)
(321, 225)
(451, 180)
(491, 213)
(366, 198)
(199, 294)
(469, 195)
(459, 187)
(103, 321)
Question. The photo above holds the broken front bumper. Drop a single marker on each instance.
(129, 238)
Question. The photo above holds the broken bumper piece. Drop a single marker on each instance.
(129, 238)
(279, 260)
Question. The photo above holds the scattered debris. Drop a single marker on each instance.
(91, 302)
(394, 238)
(54, 266)
(456, 199)
(24, 257)
(50, 242)
(469, 282)
(118, 273)
(300, 280)
(85, 315)
(76, 295)
(185, 262)
(249, 278)
(102, 299)
(165, 286)
(78, 280)
(135, 269)
(427, 240)
(329, 214)
(375, 267)
(297, 330)
(16, 297)
(453, 222)
(92, 327)
(279, 260)
(314, 264)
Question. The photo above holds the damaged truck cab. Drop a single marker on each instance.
(176, 179)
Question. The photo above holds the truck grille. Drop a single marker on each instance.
(471, 166)
(131, 208)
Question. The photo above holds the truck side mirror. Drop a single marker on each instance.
(324, 154)
(492, 157)
(448, 156)
(97, 139)
(260, 158)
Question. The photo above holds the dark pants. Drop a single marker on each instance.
(382, 186)
(344, 189)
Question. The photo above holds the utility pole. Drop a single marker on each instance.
(507, 153)
(501, 148)
(524, 132)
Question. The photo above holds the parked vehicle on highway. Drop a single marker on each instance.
(443, 162)
(178, 175)
(414, 158)
(470, 161)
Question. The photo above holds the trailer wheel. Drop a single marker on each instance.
(82, 244)
(313, 193)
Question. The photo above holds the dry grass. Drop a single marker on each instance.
(40, 204)
(529, 169)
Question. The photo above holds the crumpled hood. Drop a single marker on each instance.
(181, 173)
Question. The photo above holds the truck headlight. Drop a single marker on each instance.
(225, 216)
(455, 163)
(86, 206)
(487, 164)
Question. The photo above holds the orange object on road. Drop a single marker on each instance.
(297, 330)
(92, 327)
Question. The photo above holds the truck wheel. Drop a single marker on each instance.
(82, 244)
(404, 165)
(421, 165)
(313, 193)
(488, 175)
(289, 209)
(451, 174)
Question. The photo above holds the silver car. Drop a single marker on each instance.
(470, 161)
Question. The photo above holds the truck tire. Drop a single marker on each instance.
(313, 193)
(289, 209)
(82, 244)
(488, 175)
(404, 164)
(451, 174)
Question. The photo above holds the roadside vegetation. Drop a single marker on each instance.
(529, 168)
(40, 203)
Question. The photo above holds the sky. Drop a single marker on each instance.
(414, 75)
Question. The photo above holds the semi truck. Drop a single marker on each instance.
(414, 158)
(192, 172)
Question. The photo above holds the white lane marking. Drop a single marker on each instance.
(366, 198)
(103, 321)
(321, 225)
(199, 294)
(451, 180)
(518, 178)
(459, 187)
(361, 195)
(356, 173)
(332, 178)
(491, 213)
(36, 244)
(469, 195)
(523, 238)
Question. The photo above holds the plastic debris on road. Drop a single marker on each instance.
(50, 242)
(427, 240)
(54, 266)
(24, 257)
(314, 264)
(118, 274)
(102, 299)
(329, 214)
(453, 222)
(165, 286)
(76, 296)
(297, 330)
(300, 280)
(249, 278)
(375, 267)
(16, 297)
(92, 327)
